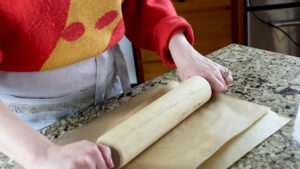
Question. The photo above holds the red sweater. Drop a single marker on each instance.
(39, 35)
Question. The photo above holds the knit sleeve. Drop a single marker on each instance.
(150, 24)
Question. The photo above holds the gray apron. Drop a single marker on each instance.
(62, 92)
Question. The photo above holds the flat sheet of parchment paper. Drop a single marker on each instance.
(213, 134)
(237, 147)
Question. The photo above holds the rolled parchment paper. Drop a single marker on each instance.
(131, 137)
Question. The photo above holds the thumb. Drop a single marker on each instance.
(106, 153)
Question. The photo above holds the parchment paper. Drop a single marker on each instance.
(200, 135)
(194, 140)
(244, 142)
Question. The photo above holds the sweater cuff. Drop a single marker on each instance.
(164, 31)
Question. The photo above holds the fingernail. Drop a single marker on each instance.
(111, 162)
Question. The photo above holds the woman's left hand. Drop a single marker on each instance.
(191, 63)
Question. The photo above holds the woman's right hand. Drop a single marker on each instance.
(34, 151)
(79, 155)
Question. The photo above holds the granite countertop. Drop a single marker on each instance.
(262, 77)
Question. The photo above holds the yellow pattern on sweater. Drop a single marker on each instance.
(93, 41)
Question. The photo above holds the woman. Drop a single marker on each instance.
(59, 57)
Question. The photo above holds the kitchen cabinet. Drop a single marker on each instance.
(215, 23)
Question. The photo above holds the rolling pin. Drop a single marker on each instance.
(131, 137)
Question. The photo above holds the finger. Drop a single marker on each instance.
(90, 162)
(95, 156)
(217, 86)
(228, 79)
(106, 153)
(221, 80)
(100, 162)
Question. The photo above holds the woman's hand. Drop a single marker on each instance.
(79, 155)
(34, 151)
(191, 63)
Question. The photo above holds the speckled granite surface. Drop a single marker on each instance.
(262, 77)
